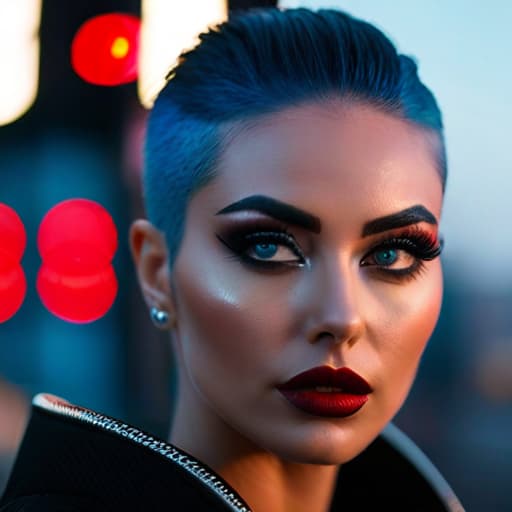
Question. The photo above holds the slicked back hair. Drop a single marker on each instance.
(257, 63)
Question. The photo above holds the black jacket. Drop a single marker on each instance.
(73, 459)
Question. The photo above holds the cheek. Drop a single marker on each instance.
(409, 329)
(421, 312)
(226, 324)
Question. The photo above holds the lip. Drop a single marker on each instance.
(300, 391)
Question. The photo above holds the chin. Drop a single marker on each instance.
(324, 446)
(319, 456)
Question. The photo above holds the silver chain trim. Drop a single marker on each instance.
(57, 405)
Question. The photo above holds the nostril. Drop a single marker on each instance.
(323, 334)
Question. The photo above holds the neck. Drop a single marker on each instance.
(265, 481)
(270, 484)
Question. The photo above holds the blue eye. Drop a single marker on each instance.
(386, 257)
(265, 250)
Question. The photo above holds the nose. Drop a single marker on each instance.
(336, 311)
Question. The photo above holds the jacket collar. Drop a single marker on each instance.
(391, 472)
(187, 462)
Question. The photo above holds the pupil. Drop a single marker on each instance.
(265, 250)
(386, 257)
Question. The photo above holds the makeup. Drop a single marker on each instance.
(325, 391)
(264, 240)
(268, 245)
(291, 214)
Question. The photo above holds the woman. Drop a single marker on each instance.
(295, 171)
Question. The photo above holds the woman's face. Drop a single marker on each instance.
(254, 310)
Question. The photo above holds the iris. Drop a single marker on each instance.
(265, 250)
(386, 257)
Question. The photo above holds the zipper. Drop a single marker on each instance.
(59, 406)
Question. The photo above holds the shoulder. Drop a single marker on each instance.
(73, 459)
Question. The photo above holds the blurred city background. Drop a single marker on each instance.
(79, 140)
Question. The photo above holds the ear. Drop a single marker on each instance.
(150, 256)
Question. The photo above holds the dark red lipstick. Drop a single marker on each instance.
(326, 391)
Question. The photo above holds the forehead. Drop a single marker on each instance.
(325, 157)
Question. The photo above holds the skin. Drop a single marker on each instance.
(238, 332)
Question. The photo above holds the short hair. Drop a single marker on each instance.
(260, 62)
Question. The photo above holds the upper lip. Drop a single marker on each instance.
(326, 376)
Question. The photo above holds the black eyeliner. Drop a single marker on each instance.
(240, 239)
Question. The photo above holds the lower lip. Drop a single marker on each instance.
(329, 404)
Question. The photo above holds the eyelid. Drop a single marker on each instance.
(280, 238)
(254, 226)
(239, 239)
(413, 232)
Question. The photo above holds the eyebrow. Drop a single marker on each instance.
(277, 209)
(293, 215)
(412, 215)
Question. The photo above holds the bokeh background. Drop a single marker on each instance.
(83, 140)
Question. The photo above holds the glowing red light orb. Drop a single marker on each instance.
(13, 238)
(79, 298)
(77, 240)
(105, 49)
(13, 285)
(77, 235)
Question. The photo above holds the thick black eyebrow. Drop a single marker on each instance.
(277, 209)
(412, 215)
(293, 215)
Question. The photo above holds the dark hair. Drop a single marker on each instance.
(260, 62)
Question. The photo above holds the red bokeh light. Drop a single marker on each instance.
(13, 288)
(13, 238)
(77, 240)
(77, 298)
(105, 49)
(13, 284)
(77, 234)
